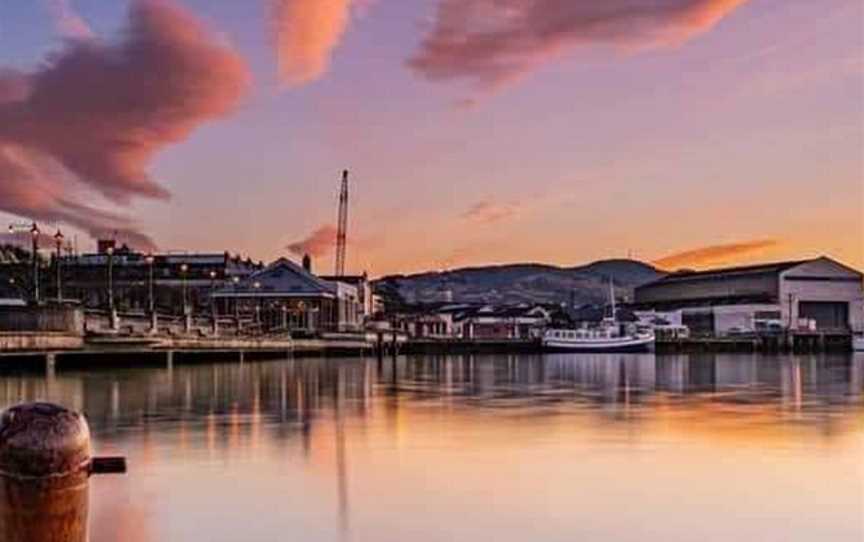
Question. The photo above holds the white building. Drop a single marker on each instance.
(818, 295)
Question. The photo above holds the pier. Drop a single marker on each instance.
(54, 350)
(76, 339)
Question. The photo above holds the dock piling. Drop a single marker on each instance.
(45, 465)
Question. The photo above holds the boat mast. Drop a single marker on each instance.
(612, 297)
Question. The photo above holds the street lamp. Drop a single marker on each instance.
(110, 252)
(234, 282)
(34, 233)
(183, 269)
(213, 297)
(151, 300)
(58, 239)
(257, 286)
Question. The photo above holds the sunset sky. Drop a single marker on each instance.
(682, 132)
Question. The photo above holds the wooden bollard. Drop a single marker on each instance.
(45, 464)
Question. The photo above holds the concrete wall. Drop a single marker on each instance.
(42, 319)
(839, 284)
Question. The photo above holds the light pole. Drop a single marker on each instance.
(110, 252)
(213, 301)
(183, 269)
(58, 239)
(151, 300)
(257, 286)
(234, 282)
(34, 233)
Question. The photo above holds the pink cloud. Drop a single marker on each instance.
(318, 243)
(306, 32)
(68, 22)
(491, 42)
(488, 212)
(95, 114)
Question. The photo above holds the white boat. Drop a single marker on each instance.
(858, 342)
(609, 337)
(604, 339)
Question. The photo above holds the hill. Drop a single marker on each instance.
(520, 283)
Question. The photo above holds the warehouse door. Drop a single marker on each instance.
(827, 315)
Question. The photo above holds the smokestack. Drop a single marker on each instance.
(307, 263)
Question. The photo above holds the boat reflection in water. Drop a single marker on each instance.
(554, 447)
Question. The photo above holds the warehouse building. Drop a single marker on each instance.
(817, 295)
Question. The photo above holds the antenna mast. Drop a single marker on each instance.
(342, 233)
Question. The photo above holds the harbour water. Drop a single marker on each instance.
(507, 448)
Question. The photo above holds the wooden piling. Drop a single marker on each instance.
(45, 464)
(44, 467)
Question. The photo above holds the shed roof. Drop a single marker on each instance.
(281, 278)
(759, 269)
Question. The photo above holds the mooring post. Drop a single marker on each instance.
(45, 464)
(50, 363)
(154, 323)
(169, 359)
(113, 320)
(379, 345)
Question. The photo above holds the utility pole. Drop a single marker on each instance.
(342, 232)
(34, 232)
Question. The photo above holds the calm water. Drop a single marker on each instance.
(504, 448)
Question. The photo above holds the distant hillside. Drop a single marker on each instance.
(520, 283)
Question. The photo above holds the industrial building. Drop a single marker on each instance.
(818, 295)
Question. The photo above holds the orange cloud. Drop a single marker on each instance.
(318, 243)
(491, 43)
(306, 32)
(488, 212)
(712, 255)
(93, 117)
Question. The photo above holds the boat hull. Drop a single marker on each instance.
(634, 345)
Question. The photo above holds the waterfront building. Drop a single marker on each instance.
(427, 325)
(473, 322)
(85, 277)
(365, 298)
(179, 279)
(501, 323)
(289, 297)
(818, 295)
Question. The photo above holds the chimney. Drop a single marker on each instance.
(307, 263)
(102, 245)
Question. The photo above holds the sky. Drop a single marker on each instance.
(687, 133)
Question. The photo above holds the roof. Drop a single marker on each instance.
(282, 277)
(505, 312)
(760, 269)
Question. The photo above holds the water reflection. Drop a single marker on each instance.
(325, 435)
